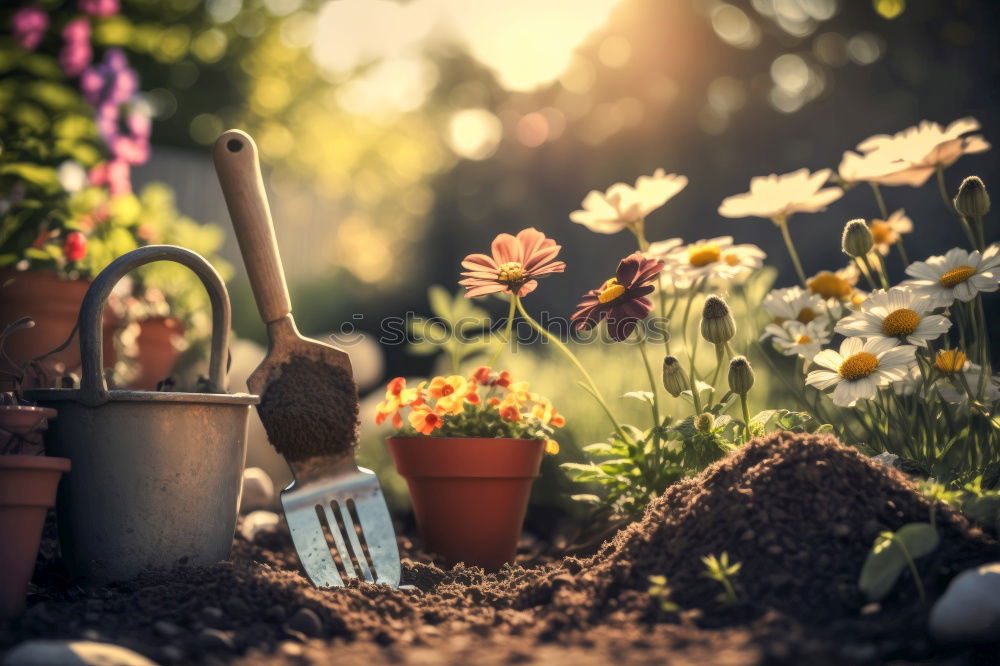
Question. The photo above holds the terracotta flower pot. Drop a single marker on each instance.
(54, 304)
(158, 350)
(469, 494)
(27, 490)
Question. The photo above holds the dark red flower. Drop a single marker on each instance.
(622, 299)
(75, 247)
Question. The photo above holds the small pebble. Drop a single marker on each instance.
(172, 654)
(969, 610)
(73, 653)
(213, 639)
(306, 622)
(256, 522)
(212, 616)
(258, 490)
(166, 629)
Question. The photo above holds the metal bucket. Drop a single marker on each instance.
(156, 476)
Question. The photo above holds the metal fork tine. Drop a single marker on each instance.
(373, 514)
(352, 537)
(338, 539)
(314, 552)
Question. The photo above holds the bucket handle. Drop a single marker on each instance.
(93, 387)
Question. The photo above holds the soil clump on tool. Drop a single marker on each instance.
(311, 409)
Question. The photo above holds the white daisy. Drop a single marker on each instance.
(949, 362)
(886, 232)
(899, 314)
(776, 197)
(623, 206)
(860, 368)
(909, 384)
(715, 259)
(795, 303)
(793, 338)
(957, 274)
(834, 285)
(911, 157)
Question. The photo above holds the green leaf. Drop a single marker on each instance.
(440, 301)
(642, 396)
(586, 498)
(887, 559)
(599, 448)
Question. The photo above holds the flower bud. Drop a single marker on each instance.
(717, 323)
(740, 375)
(972, 199)
(704, 422)
(674, 378)
(857, 239)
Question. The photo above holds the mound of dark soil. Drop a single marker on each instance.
(799, 513)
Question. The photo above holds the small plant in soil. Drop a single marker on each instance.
(720, 570)
(893, 552)
(660, 591)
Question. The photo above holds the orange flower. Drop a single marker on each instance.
(551, 446)
(557, 421)
(450, 393)
(510, 410)
(493, 402)
(396, 397)
(425, 420)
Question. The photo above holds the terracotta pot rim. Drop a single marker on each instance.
(34, 462)
(42, 271)
(47, 412)
(424, 438)
(467, 457)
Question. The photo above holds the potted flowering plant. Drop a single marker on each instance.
(77, 126)
(28, 480)
(469, 448)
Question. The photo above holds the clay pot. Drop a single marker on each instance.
(27, 491)
(53, 303)
(21, 428)
(158, 350)
(469, 494)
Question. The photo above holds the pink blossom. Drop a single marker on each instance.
(114, 174)
(99, 7)
(29, 24)
(129, 149)
(76, 53)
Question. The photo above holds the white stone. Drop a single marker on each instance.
(969, 610)
(73, 653)
(258, 490)
(257, 521)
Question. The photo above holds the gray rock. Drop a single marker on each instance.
(258, 521)
(306, 622)
(73, 653)
(887, 459)
(258, 490)
(969, 610)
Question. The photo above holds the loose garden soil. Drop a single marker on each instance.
(798, 511)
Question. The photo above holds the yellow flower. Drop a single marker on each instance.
(950, 361)
(551, 447)
(450, 393)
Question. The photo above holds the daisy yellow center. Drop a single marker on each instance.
(511, 272)
(900, 323)
(957, 275)
(950, 361)
(806, 315)
(882, 233)
(858, 366)
(732, 259)
(829, 285)
(609, 291)
(803, 339)
(704, 254)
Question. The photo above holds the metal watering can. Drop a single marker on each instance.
(156, 476)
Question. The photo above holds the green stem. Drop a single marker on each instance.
(950, 205)
(746, 417)
(863, 268)
(653, 386)
(782, 223)
(506, 334)
(591, 385)
(877, 191)
(913, 567)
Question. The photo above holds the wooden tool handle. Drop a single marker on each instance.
(236, 164)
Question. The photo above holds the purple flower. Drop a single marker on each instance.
(29, 24)
(112, 82)
(99, 7)
(75, 54)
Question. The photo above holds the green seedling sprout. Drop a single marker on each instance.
(660, 591)
(891, 553)
(719, 569)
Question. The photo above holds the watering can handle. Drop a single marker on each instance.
(236, 163)
(93, 388)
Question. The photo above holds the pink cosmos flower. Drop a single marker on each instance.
(621, 299)
(99, 7)
(74, 57)
(29, 25)
(515, 264)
